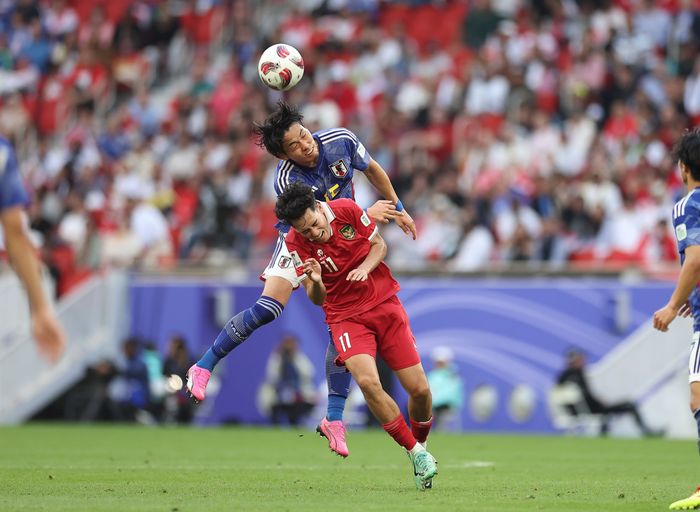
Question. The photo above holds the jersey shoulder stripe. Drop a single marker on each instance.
(679, 208)
(328, 135)
(283, 172)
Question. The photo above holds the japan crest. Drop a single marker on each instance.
(338, 168)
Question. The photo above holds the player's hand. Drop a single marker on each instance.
(383, 211)
(405, 222)
(49, 336)
(312, 268)
(664, 316)
(357, 274)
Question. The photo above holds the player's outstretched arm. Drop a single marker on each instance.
(313, 285)
(45, 327)
(377, 253)
(381, 182)
(687, 280)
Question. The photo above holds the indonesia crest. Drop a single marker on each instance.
(348, 232)
(338, 168)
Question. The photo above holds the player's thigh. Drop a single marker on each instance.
(363, 368)
(281, 268)
(351, 338)
(414, 380)
(395, 340)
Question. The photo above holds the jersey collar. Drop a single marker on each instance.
(329, 215)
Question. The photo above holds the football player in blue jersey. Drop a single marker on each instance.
(326, 160)
(46, 330)
(685, 299)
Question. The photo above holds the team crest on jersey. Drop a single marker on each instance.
(681, 232)
(319, 252)
(296, 259)
(284, 262)
(338, 168)
(348, 232)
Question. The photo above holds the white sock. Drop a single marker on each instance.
(417, 449)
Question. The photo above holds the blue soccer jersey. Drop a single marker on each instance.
(686, 222)
(12, 192)
(340, 153)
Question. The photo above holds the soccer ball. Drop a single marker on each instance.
(281, 67)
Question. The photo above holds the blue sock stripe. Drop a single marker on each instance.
(271, 305)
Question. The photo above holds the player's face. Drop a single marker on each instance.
(299, 146)
(313, 225)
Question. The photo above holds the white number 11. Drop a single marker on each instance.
(345, 341)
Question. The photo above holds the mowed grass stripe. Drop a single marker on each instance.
(122, 468)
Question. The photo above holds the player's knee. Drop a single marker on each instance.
(369, 384)
(420, 390)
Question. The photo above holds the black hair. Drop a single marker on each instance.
(271, 132)
(687, 151)
(294, 201)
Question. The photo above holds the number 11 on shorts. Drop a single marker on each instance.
(345, 341)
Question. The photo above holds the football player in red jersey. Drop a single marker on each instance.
(338, 252)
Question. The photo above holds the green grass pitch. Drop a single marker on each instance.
(124, 468)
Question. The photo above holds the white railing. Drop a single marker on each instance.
(95, 318)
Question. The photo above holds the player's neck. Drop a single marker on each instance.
(692, 184)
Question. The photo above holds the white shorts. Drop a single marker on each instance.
(694, 359)
(281, 264)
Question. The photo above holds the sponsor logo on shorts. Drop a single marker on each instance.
(348, 232)
(296, 259)
(284, 262)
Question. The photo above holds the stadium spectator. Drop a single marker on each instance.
(446, 385)
(364, 316)
(178, 407)
(288, 389)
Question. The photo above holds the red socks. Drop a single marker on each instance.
(420, 429)
(398, 429)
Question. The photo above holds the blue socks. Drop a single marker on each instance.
(338, 380)
(238, 328)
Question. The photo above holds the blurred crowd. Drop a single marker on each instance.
(533, 131)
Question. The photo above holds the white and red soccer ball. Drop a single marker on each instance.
(281, 67)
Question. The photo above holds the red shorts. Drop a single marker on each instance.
(385, 328)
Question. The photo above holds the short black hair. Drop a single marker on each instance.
(294, 201)
(687, 150)
(271, 132)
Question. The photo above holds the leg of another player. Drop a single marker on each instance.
(420, 400)
(338, 380)
(267, 308)
(692, 501)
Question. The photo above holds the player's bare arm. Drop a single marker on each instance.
(47, 332)
(688, 279)
(315, 289)
(381, 182)
(377, 253)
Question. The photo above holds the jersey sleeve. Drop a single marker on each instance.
(363, 223)
(688, 233)
(12, 192)
(360, 158)
(284, 176)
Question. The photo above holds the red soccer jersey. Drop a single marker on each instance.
(345, 250)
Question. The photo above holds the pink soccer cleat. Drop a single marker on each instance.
(197, 380)
(334, 431)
